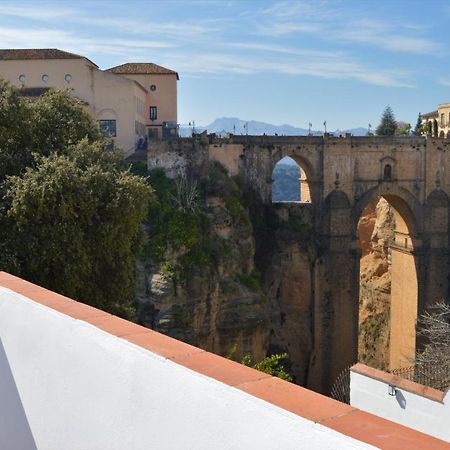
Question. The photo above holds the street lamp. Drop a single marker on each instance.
(192, 124)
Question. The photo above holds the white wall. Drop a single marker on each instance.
(406, 408)
(65, 384)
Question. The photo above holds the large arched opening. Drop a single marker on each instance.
(388, 294)
(291, 181)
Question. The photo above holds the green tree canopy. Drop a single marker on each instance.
(76, 220)
(53, 122)
(70, 212)
(388, 125)
(58, 121)
(15, 132)
(403, 129)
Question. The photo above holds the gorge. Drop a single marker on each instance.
(285, 276)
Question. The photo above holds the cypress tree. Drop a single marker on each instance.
(418, 127)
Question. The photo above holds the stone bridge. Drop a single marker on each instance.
(340, 175)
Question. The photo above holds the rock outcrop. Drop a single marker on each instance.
(254, 294)
(376, 230)
(244, 285)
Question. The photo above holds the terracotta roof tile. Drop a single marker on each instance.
(219, 368)
(383, 433)
(296, 399)
(407, 385)
(38, 53)
(141, 69)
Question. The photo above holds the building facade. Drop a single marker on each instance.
(437, 123)
(161, 100)
(119, 101)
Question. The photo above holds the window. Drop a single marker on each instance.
(153, 112)
(109, 127)
(153, 87)
(22, 78)
(45, 78)
(387, 172)
(442, 120)
(68, 77)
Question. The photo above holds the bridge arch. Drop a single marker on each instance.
(408, 210)
(306, 184)
(404, 269)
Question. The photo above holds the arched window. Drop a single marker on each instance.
(387, 174)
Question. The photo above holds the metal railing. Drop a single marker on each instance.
(433, 376)
(427, 375)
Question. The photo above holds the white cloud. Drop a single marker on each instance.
(332, 67)
(384, 35)
(286, 28)
(325, 21)
(300, 9)
(35, 13)
(445, 82)
(12, 37)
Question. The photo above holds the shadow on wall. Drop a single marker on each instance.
(400, 399)
(15, 431)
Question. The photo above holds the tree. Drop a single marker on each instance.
(388, 124)
(76, 223)
(70, 213)
(435, 128)
(15, 133)
(52, 123)
(272, 365)
(59, 121)
(434, 359)
(418, 128)
(403, 129)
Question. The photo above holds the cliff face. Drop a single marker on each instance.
(376, 229)
(208, 293)
(229, 275)
(253, 293)
(288, 284)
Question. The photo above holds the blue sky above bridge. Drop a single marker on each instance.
(280, 62)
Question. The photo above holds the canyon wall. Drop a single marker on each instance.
(376, 232)
(255, 294)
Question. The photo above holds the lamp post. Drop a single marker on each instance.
(192, 124)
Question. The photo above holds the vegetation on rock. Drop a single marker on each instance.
(273, 364)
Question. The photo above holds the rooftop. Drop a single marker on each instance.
(142, 69)
(104, 382)
(38, 53)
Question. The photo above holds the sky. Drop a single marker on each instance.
(279, 62)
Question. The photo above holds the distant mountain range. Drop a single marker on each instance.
(234, 125)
